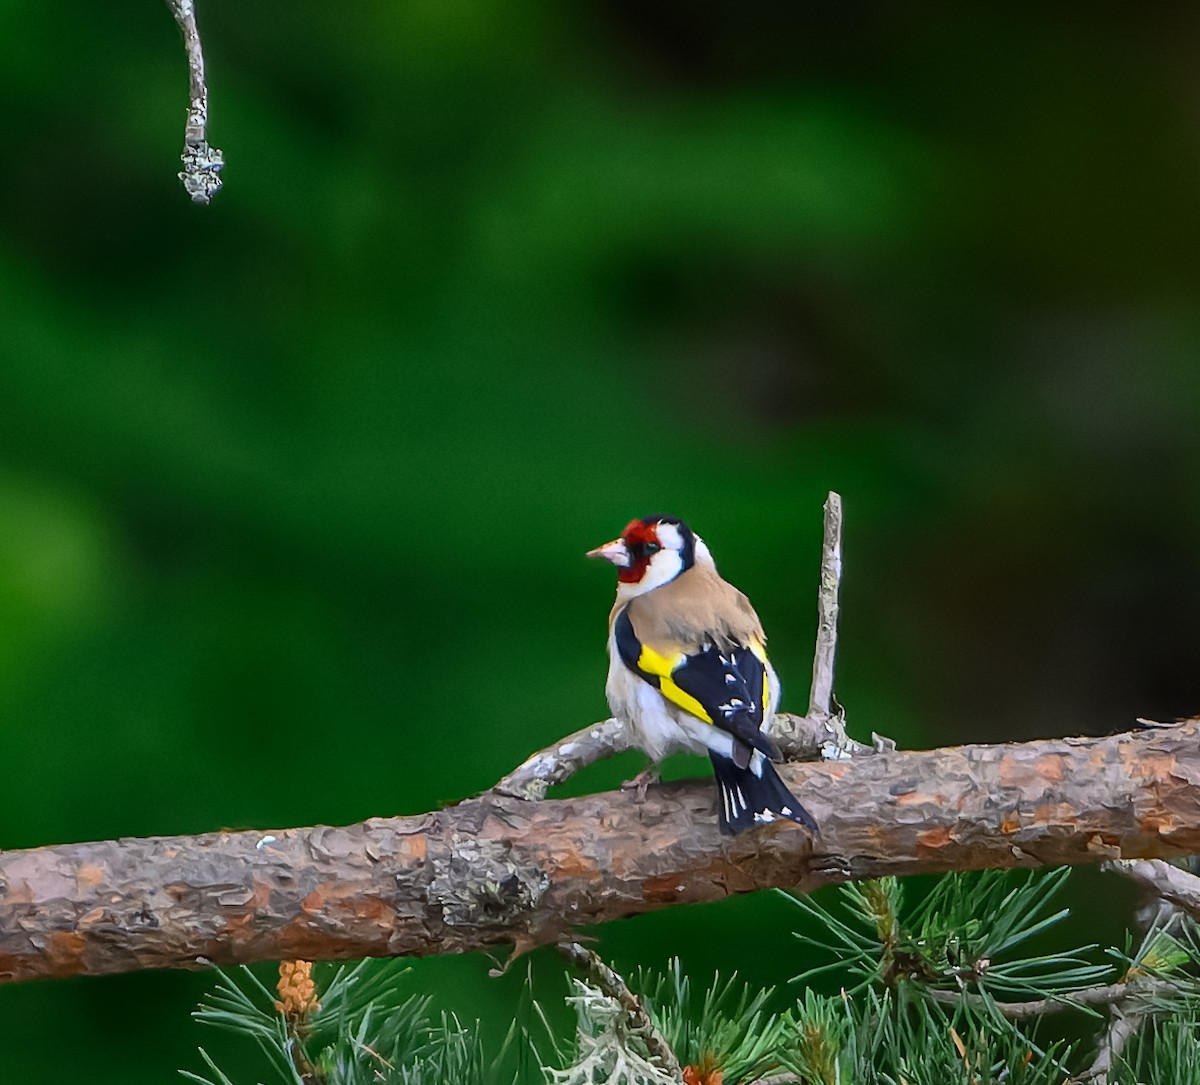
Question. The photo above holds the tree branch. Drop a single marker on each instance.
(536, 775)
(821, 701)
(801, 738)
(1036, 1007)
(202, 164)
(498, 870)
(1172, 883)
(824, 713)
(1127, 1015)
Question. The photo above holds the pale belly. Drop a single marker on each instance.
(660, 727)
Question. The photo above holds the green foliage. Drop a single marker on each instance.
(919, 1044)
(896, 1037)
(1164, 1050)
(962, 936)
(927, 998)
(485, 281)
(365, 1032)
(452, 1055)
(822, 1040)
(728, 1026)
(974, 937)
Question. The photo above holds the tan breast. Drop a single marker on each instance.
(694, 609)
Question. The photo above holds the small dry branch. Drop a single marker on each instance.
(202, 163)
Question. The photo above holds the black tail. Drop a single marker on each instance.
(744, 800)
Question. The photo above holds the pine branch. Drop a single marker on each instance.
(497, 870)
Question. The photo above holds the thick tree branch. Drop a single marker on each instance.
(496, 870)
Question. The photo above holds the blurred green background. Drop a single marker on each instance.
(294, 489)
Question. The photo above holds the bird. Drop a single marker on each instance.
(688, 669)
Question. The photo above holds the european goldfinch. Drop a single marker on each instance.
(688, 668)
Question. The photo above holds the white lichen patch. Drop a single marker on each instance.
(477, 883)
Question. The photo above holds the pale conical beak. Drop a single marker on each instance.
(614, 551)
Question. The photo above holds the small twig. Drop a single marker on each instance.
(820, 701)
(823, 708)
(201, 163)
(1130, 1004)
(610, 983)
(803, 738)
(1038, 1007)
(799, 737)
(540, 771)
(1122, 1027)
(1128, 1015)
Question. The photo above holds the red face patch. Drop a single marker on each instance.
(641, 540)
(638, 531)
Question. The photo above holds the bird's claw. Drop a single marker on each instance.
(641, 783)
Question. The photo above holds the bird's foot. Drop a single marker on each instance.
(641, 783)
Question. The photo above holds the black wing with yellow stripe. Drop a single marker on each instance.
(728, 688)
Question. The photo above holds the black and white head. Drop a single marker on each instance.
(651, 552)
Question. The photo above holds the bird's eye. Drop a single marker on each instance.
(651, 548)
(644, 549)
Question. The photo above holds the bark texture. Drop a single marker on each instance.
(503, 870)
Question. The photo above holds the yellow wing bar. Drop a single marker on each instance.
(662, 666)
